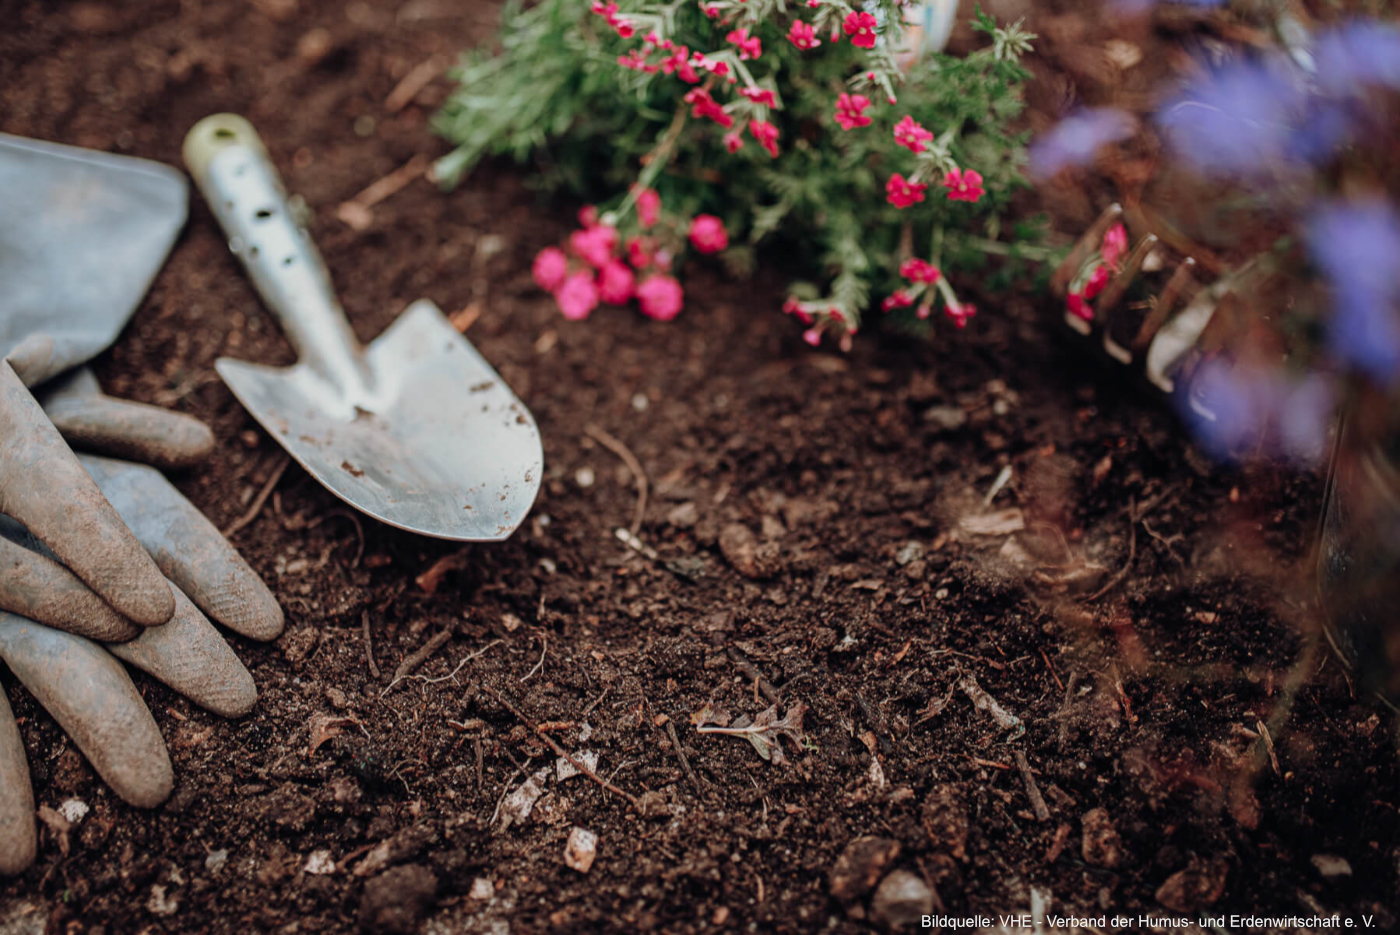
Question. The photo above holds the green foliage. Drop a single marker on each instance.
(555, 94)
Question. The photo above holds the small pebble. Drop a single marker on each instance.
(581, 850)
(860, 866)
(1330, 865)
(901, 901)
(585, 477)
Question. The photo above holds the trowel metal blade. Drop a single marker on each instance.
(450, 451)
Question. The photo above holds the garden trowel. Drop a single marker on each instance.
(416, 429)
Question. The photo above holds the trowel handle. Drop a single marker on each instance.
(231, 167)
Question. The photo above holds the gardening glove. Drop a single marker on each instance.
(84, 235)
(95, 231)
(88, 692)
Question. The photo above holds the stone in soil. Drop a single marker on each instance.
(1195, 888)
(750, 557)
(395, 901)
(1102, 847)
(860, 866)
(946, 822)
(901, 901)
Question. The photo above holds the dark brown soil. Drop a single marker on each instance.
(842, 481)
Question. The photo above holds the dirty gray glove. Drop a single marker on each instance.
(88, 691)
(89, 546)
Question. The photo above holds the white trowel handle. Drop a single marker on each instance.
(232, 169)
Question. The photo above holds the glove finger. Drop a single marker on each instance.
(17, 829)
(43, 486)
(189, 550)
(93, 699)
(190, 656)
(41, 589)
(122, 429)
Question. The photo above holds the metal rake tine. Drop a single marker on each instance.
(1065, 272)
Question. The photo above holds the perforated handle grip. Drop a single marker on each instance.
(231, 167)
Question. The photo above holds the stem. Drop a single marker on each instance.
(654, 161)
(1043, 254)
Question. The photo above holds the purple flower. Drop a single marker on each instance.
(1356, 244)
(1358, 55)
(1239, 120)
(1237, 410)
(1074, 140)
(1134, 7)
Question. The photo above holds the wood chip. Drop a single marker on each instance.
(1000, 523)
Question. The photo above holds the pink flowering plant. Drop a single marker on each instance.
(720, 128)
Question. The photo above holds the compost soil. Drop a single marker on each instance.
(1114, 708)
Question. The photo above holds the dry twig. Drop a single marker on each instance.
(419, 656)
(1042, 813)
(539, 666)
(408, 87)
(680, 755)
(633, 465)
(256, 506)
(356, 212)
(572, 760)
(369, 646)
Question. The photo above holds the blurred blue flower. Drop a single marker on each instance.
(1134, 7)
(1239, 120)
(1074, 140)
(1240, 410)
(1356, 245)
(1356, 56)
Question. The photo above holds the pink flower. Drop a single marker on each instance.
(1097, 280)
(897, 299)
(793, 307)
(636, 60)
(661, 297)
(959, 314)
(803, 35)
(710, 10)
(850, 111)
(648, 207)
(760, 96)
(702, 105)
(917, 270)
(714, 66)
(588, 216)
(594, 244)
(812, 336)
(733, 142)
(902, 193)
(639, 252)
(624, 27)
(964, 185)
(861, 28)
(749, 46)
(766, 134)
(908, 132)
(707, 234)
(1115, 244)
(679, 64)
(1078, 307)
(814, 3)
(577, 296)
(615, 283)
(550, 268)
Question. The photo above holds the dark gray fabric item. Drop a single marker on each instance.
(84, 235)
